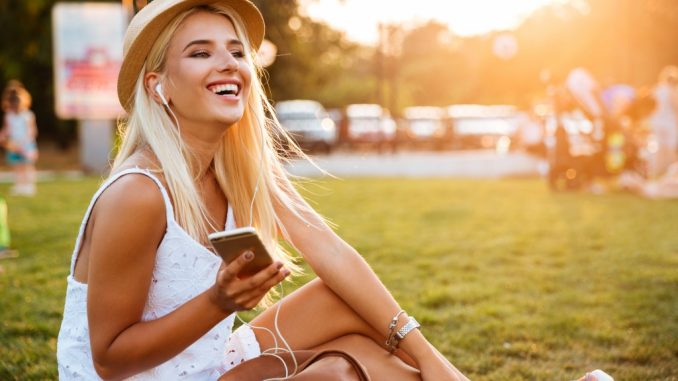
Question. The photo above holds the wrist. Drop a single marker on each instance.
(213, 302)
(404, 333)
(416, 345)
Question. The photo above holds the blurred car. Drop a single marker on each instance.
(483, 126)
(308, 123)
(369, 124)
(425, 125)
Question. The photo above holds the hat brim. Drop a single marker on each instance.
(151, 20)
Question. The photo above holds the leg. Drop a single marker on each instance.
(312, 316)
(19, 174)
(378, 363)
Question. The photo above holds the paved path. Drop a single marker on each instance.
(469, 164)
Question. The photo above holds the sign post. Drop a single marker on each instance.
(87, 58)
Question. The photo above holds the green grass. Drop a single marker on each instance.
(510, 281)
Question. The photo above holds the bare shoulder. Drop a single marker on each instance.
(135, 195)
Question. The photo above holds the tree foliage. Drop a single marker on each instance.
(626, 41)
(619, 40)
(314, 61)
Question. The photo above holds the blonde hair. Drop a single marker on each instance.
(248, 150)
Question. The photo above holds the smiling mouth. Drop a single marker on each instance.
(226, 90)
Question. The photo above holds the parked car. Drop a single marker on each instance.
(483, 126)
(308, 123)
(426, 125)
(369, 124)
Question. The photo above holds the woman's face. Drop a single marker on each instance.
(207, 76)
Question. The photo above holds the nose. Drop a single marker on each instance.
(228, 63)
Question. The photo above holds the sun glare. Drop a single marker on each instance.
(359, 18)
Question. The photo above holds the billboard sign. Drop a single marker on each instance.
(87, 57)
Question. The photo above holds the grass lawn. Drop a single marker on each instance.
(509, 280)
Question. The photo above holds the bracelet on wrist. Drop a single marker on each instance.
(395, 336)
(391, 340)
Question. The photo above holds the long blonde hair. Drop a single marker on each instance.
(248, 150)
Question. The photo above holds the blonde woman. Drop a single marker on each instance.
(146, 297)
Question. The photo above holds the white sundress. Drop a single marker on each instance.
(183, 269)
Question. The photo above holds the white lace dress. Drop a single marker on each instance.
(183, 269)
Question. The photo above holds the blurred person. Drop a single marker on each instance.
(664, 121)
(566, 170)
(616, 113)
(146, 296)
(18, 135)
(531, 134)
(586, 94)
(664, 187)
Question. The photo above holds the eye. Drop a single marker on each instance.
(200, 54)
(238, 53)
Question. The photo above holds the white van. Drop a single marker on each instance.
(308, 123)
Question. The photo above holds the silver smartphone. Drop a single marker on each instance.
(230, 244)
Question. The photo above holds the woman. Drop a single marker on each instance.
(196, 147)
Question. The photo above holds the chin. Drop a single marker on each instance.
(231, 118)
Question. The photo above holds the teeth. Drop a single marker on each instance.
(228, 88)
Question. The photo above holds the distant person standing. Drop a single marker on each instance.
(664, 120)
(18, 135)
(586, 93)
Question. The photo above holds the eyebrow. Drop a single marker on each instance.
(234, 41)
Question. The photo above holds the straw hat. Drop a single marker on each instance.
(146, 26)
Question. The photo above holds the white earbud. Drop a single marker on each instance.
(158, 90)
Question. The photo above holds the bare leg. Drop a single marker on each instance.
(312, 316)
(20, 173)
(378, 363)
(31, 176)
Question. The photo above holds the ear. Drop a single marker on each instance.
(151, 80)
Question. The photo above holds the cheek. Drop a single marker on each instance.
(246, 75)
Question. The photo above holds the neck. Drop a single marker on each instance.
(202, 141)
(202, 153)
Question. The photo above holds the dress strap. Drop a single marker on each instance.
(169, 210)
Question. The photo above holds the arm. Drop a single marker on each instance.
(344, 271)
(674, 100)
(125, 234)
(32, 126)
(3, 131)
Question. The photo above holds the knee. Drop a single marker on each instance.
(319, 291)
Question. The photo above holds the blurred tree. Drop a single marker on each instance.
(314, 61)
(26, 55)
(429, 66)
(619, 40)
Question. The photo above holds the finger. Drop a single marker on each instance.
(232, 270)
(253, 299)
(264, 275)
(274, 280)
(255, 281)
(263, 288)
